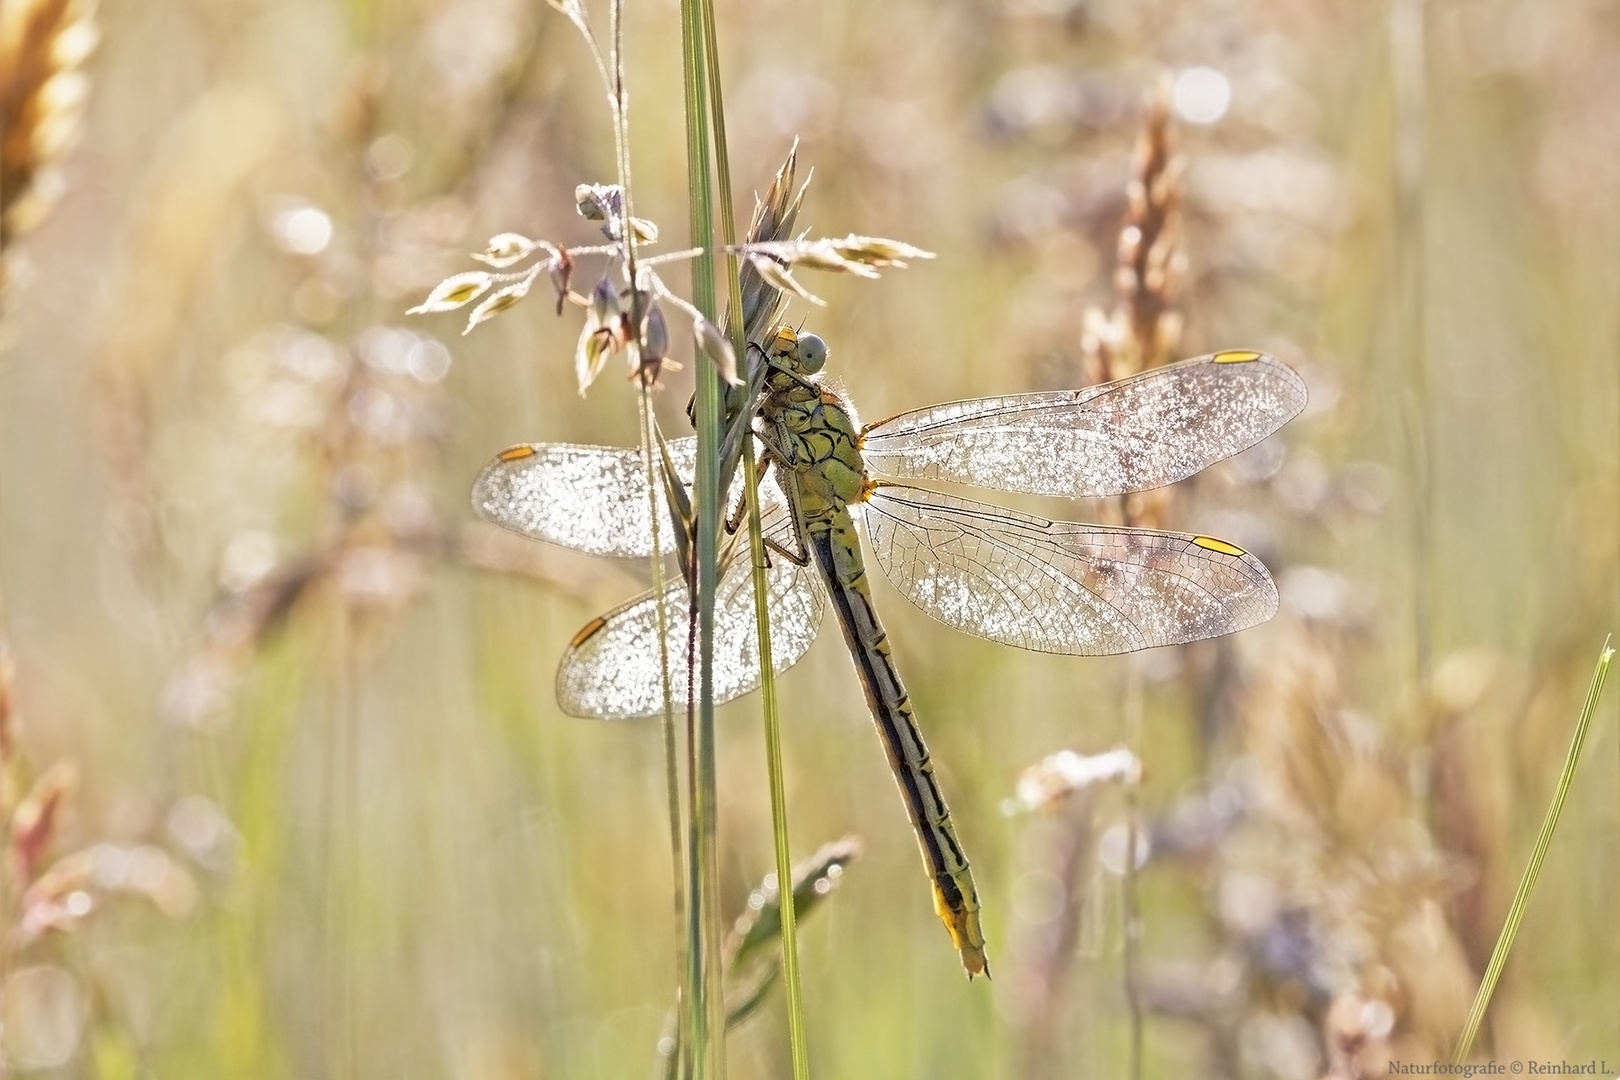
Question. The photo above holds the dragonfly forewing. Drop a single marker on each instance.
(589, 498)
(1058, 586)
(611, 669)
(1141, 432)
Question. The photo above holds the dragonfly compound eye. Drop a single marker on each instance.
(811, 353)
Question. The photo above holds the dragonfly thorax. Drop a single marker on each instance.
(810, 430)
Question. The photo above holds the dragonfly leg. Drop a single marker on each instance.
(734, 522)
(803, 380)
(776, 447)
(800, 557)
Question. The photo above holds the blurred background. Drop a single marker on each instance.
(290, 794)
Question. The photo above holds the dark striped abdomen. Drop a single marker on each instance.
(836, 550)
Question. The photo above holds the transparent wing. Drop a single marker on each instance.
(611, 669)
(1142, 432)
(590, 498)
(1061, 587)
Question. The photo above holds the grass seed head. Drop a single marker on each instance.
(43, 45)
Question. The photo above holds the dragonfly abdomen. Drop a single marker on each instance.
(836, 550)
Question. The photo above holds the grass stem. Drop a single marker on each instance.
(1407, 63)
(708, 1008)
(672, 772)
(1131, 896)
(797, 1045)
(1538, 854)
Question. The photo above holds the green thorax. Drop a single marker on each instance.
(811, 428)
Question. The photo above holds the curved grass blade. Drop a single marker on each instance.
(1538, 855)
(752, 964)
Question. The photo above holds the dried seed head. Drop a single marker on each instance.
(876, 251)
(595, 344)
(646, 232)
(607, 329)
(714, 344)
(561, 270)
(1149, 264)
(599, 202)
(774, 274)
(34, 823)
(655, 335)
(1044, 786)
(454, 291)
(760, 924)
(814, 254)
(774, 218)
(506, 249)
(605, 203)
(605, 305)
(1103, 347)
(654, 346)
(8, 705)
(498, 302)
(42, 96)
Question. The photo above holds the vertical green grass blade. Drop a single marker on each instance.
(1527, 884)
(797, 1044)
(703, 968)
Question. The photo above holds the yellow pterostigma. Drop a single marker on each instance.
(1050, 586)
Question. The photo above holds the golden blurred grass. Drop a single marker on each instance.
(428, 871)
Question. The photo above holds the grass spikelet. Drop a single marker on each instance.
(1059, 844)
(43, 46)
(751, 956)
(1143, 328)
(1150, 264)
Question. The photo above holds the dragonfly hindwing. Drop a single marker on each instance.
(1058, 586)
(611, 668)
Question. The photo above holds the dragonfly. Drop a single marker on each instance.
(1010, 577)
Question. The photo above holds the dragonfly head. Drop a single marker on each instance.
(810, 354)
(796, 353)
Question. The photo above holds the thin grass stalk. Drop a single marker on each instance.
(244, 1041)
(798, 1047)
(621, 146)
(342, 794)
(1407, 66)
(694, 1040)
(1527, 884)
(8, 917)
(672, 772)
(1132, 901)
(720, 195)
(708, 1008)
(672, 779)
(722, 165)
